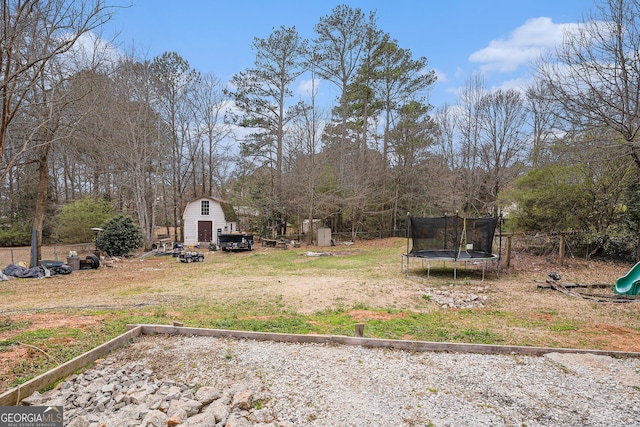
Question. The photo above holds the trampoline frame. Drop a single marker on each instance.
(445, 258)
(455, 256)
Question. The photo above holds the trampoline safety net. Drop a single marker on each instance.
(452, 237)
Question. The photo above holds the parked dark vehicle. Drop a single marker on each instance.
(191, 256)
(235, 242)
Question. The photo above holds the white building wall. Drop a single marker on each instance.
(193, 214)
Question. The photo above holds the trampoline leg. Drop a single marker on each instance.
(455, 270)
(428, 267)
(484, 265)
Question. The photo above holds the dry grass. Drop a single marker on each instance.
(364, 280)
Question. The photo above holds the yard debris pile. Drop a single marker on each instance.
(457, 298)
(584, 291)
(39, 272)
(132, 395)
(14, 270)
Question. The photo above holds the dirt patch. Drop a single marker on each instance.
(543, 317)
(614, 337)
(36, 321)
(15, 351)
(8, 359)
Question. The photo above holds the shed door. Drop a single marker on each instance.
(205, 231)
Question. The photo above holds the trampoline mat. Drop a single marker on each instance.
(452, 255)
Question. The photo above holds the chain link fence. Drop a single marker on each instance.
(575, 245)
(49, 252)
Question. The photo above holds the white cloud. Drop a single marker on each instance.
(441, 76)
(89, 51)
(230, 86)
(520, 84)
(308, 86)
(454, 90)
(524, 44)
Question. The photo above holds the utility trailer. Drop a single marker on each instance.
(235, 242)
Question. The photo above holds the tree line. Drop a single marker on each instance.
(83, 121)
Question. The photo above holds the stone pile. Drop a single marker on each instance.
(131, 395)
(456, 298)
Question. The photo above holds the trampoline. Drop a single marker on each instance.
(450, 238)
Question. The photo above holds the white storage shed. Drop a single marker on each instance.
(205, 217)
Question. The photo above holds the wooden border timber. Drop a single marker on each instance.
(376, 342)
(14, 395)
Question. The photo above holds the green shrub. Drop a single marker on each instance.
(119, 236)
(15, 236)
(548, 199)
(620, 246)
(75, 220)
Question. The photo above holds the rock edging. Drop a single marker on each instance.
(131, 395)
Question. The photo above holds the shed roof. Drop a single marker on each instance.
(227, 208)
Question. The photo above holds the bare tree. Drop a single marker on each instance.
(596, 70)
(82, 162)
(33, 34)
(173, 78)
(47, 113)
(35, 72)
(595, 74)
(502, 140)
(208, 104)
(543, 121)
(304, 163)
(448, 167)
(139, 140)
(469, 123)
(445, 134)
(53, 108)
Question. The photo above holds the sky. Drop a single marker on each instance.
(498, 38)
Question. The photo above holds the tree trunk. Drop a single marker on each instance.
(41, 200)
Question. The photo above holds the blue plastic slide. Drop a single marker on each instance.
(629, 284)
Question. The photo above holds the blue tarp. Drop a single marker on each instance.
(39, 272)
(13, 270)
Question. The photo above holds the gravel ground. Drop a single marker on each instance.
(331, 385)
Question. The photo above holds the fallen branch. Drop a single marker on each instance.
(36, 348)
(547, 284)
(561, 287)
